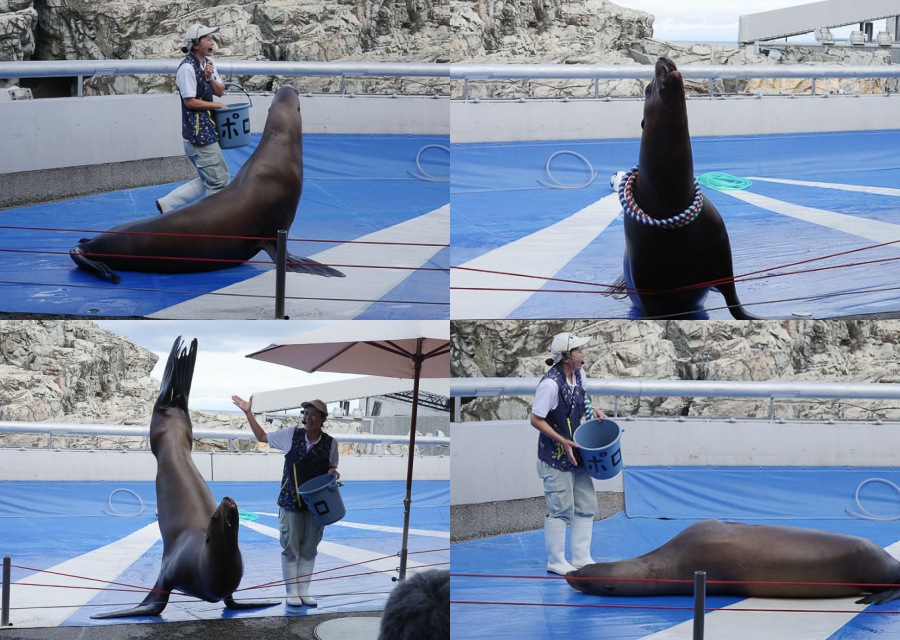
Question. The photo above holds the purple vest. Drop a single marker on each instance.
(564, 419)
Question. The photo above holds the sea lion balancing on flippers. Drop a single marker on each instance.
(676, 245)
(225, 228)
(201, 557)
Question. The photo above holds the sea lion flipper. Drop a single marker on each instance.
(152, 605)
(231, 603)
(176, 382)
(93, 266)
(299, 264)
(881, 597)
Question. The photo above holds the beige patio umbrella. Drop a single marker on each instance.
(411, 349)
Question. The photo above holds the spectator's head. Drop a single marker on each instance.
(418, 608)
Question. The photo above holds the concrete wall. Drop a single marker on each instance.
(63, 147)
(506, 121)
(495, 461)
(495, 487)
(70, 464)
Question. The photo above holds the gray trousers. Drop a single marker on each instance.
(300, 535)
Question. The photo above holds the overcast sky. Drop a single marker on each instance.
(222, 368)
(703, 21)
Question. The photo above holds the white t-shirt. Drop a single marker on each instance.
(282, 439)
(546, 396)
(186, 79)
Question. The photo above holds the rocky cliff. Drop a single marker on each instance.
(546, 31)
(832, 351)
(282, 30)
(74, 371)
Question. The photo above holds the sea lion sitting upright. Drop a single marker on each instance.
(675, 238)
(260, 201)
(200, 539)
(756, 558)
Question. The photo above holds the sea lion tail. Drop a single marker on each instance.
(92, 266)
(176, 382)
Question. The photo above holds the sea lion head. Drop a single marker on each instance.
(223, 523)
(283, 118)
(664, 96)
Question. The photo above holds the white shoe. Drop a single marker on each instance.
(289, 572)
(582, 530)
(305, 571)
(555, 542)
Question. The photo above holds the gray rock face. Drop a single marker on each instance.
(833, 351)
(291, 30)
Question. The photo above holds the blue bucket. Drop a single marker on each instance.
(233, 122)
(322, 496)
(598, 444)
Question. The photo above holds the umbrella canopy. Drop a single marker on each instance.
(411, 349)
(368, 347)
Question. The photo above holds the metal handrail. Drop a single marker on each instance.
(69, 428)
(491, 387)
(597, 72)
(85, 68)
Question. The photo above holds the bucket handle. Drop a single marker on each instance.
(235, 84)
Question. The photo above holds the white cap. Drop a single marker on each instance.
(563, 343)
(197, 31)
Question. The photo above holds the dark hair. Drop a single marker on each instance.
(418, 608)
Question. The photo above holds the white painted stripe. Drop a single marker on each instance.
(105, 563)
(374, 561)
(873, 230)
(882, 191)
(430, 533)
(321, 297)
(773, 624)
(543, 254)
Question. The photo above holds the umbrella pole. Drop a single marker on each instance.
(417, 364)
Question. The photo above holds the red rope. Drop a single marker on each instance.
(220, 237)
(214, 293)
(223, 260)
(671, 608)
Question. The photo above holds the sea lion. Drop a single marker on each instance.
(200, 539)
(841, 565)
(261, 200)
(675, 238)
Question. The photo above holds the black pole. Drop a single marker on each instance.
(417, 364)
(4, 605)
(280, 270)
(699, 603)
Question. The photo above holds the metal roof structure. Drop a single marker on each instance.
(805, 18)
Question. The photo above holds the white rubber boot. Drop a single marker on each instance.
(306, 568)
(289, 572)
(582, 531)
(555, 541)
(188, 192)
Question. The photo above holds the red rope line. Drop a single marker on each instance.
(221, 237)
(672, 608)
(701, 285)
(188, 292)
(223, 260)
(891, 585)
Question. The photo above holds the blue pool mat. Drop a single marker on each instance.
(540, 606)
(497, 199)
(353, 185)
(45, 523)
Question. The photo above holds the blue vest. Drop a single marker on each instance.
(198, 127)
(302, 464)
(564, 419)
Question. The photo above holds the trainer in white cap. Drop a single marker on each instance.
(563, 343)
(195, 32)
